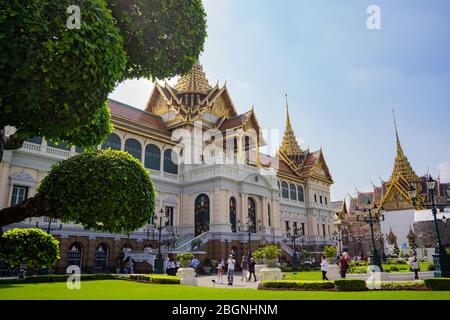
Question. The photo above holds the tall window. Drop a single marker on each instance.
(315, 198)
(320, 199)
(252, 213)
(133, 147)
(201, 214)
(303, 229)
(74, 255)
(285, 190)
(152, 157)
(301, 194)
(233, 214)
(169, 165)
(293, 191)
(323, 229)
(269, 218)
(326, 200)
(286, 225)
(19, 194)
(169, 213)
(101, 258)
(112, 142)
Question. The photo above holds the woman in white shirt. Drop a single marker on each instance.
(324, 268)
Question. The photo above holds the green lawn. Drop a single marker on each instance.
(123, 290)
(303, 275)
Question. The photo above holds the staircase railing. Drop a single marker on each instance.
(187, 246)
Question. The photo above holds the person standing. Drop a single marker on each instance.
(231, 262)
(244, 267)
(219, 272)
(415, 265)
(324, 268)
(251, 270)
(195, 263)
(168, 266)
(344, 264)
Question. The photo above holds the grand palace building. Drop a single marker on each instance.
(214, 186)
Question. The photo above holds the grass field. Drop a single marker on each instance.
(127, 290)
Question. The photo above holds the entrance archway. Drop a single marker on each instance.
(201, 214)
(101, 258)
(74, 254)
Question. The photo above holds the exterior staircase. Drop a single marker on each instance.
(186, 246)
(286, 248)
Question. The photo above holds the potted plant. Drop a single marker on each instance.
(207, 265)
(186, 273)
(271, 270)
(330, 253)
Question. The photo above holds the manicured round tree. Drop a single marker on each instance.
(32, 247)
(53, 80)
(162, 38)
(104, 190)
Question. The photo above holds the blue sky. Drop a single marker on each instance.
(342, 79)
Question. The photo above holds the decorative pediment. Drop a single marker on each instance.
(22, 178)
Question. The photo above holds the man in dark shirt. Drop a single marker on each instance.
(251, 269)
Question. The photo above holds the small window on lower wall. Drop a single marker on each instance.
(19, 194)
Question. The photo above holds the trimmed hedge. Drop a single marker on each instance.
(438, 284)
(157, 279)
(298, 285)
(350, 285)
(402, 285)
(56, 278)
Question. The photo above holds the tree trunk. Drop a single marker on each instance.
(2, 143)
(36, 206)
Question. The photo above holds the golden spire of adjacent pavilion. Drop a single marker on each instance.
(193, 82)
(402, 167)
(289, 145)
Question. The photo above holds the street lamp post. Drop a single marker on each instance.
(248, 227)
(375, 259)
(295, 235)
(337, 235)
(383, 253)
(441, 258)
(159, 261)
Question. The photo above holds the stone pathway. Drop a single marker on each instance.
(206, 281)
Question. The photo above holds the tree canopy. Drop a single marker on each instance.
(54, 80)
(32, 247)
(105, 190)
(162, 38)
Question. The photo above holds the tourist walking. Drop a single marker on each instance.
(251, 269)
(414, 262)
(231, 262)
(219, 268)
(195, 263)
(344, 264)
(244, 267)
(324, 268)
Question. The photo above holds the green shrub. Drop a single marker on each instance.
(431, 267)
(350, 285)
(359, 263)
(57, 278)
(298, 285)
(357, 269)
(393, 268)
(403, 285)
(438, 284)
(329, 251)
(164, 279)
(185, 259)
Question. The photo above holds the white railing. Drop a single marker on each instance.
(33, 147)
(187, 246)
(57, 152)
(287, 249)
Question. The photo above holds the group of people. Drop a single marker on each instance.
(229, 266)
(171, 266)
(127, 267)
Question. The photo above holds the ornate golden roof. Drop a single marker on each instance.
(193, 82)
(289, 145)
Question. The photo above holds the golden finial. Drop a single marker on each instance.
(399, 146)
(289, 145)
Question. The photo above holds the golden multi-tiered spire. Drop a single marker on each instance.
(402, 167)
(193, 82)
(289, 145)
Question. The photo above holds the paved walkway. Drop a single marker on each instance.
(207, 281)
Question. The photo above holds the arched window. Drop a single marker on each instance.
(233, 214)
(152, 157)
(112, 142)
(293, 191)
(252, 214)
(301, 194)
(269, 217)
(101, 258)
(74, 254)
(169, 165)
(285, 190)
(201, 214)
(133, 147)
